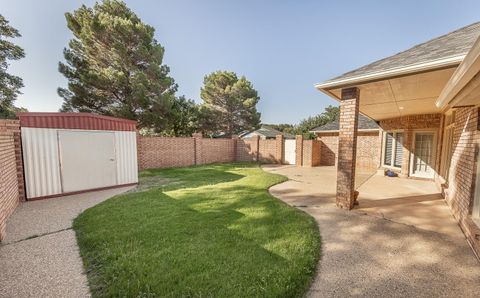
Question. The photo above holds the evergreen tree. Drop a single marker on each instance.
(185, 117)
(114, 66)
(9, 84)
(231, 102)
(330, 114)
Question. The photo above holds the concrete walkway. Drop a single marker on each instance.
(40, 256)
(371, 256)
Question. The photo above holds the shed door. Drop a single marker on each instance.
(290, 149)
(87, 159)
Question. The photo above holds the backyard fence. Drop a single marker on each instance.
(165, 152)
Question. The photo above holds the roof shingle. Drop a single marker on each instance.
(363, 123)
(453, 44)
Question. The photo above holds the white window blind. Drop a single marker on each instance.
(398, 150)
(393, 149)
(388, 149)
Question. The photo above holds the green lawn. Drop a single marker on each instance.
(205, 231)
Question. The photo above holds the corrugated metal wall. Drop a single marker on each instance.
(42, 160)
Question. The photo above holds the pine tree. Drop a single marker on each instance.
(231, 101)
(114, 66)
(9, 84)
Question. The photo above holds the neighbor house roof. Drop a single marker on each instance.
(364, 123)
(268, 132)
(446, 50)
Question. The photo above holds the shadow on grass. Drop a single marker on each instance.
(189, 177)
(215, 232)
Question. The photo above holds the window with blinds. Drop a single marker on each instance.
(398, 150)
(388, 149)
(393, 149)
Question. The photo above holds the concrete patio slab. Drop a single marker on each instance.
(371, 256)
(412, 202)
(40, 257)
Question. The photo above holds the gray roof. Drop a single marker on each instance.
(453, 44)
(363, 123)
(269, 132)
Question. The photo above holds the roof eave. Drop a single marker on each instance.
(411, 69)
(468, 68)
(336, 130)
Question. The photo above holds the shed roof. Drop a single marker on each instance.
(364, 123)
(443, 51)
(85, 121)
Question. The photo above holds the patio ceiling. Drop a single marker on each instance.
(400, 96)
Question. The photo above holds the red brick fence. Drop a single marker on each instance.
(11, 171)
(165, 152)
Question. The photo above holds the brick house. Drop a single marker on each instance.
(368, 143)
(265, 133)
(426, 102)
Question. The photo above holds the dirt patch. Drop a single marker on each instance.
(149, 182)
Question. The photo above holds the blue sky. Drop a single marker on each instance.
(283, 47)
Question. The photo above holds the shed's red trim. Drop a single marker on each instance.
(81, 191)
(85, 121)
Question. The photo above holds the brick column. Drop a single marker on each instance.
(17, 139)
(255, 148)
(347, 148)
(299, 150)
(234, 144)
(279, 149)
(197, 148)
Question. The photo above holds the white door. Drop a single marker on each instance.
(87, 159)
(290, 150)
(423, 155)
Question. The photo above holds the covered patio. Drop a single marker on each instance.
(426, 103)
(411, 202)
(368, 256)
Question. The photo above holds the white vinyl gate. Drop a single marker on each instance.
(290, 150)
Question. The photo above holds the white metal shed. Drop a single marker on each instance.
(67, 153)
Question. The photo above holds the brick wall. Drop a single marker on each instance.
(328, 148)
(163, 152)
(216, 150)
(368, 149)
(246, 149)
(256, 149)
(11, 173)
(408, 124)
(267, 151)
(422, 121)
(460, 192)
(311, 153)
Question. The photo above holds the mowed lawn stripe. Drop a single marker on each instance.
(207, 231)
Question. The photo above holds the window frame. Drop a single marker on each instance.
(394, 145)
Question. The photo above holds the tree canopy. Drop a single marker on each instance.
(304, 127)
(229, 104)
(114, 66)
(9, 84)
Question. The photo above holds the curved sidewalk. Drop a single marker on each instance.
(40, 256)
(371, 256)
